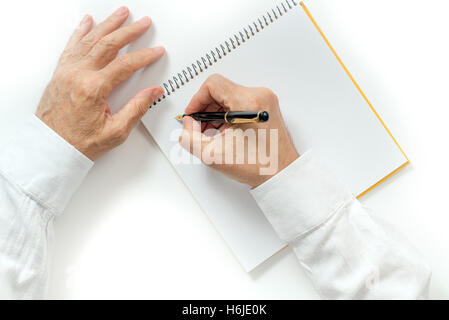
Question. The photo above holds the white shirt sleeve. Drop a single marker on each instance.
(347, 253)
(39, 173)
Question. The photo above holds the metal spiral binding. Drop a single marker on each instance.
(222, 50)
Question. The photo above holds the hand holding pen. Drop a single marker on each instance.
(218, 105)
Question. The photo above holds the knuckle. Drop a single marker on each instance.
(274, 98)
(66, 55)
(125, 63)
(215, 78)
(184, 140)
(108, 44)
(266, 96)
(255, 100)
(88, 41)
(267, 93)
(86, 88)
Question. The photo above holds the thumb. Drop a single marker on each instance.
(135, 109)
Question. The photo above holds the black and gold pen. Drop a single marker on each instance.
(236, 117)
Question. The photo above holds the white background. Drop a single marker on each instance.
(133, 230)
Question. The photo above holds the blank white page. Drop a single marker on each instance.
(322, 108)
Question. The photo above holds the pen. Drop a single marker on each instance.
(237, 117)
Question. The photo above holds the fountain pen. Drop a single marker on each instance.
(235, 117)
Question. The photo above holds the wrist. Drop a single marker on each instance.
(44, 165)
(284, 161)
(77, 138)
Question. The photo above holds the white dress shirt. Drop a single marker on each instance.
(342, 248)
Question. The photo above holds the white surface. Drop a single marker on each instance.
(401, 65)
(320, 104)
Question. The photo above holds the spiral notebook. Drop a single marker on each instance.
(324, 109)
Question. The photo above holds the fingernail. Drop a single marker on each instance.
(157, 93)
(85, 20)
(145, 21)
(121, 11)
(159, 50)
(145, 92)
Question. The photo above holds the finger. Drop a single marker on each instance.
(191, 137)
(84, 28)
(111, 24)
(108, 47)
(200, 101)
(125, 65)
(213, 107)
(135, 109)
(188, 123)
(215, 89)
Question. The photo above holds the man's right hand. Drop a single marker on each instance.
(74, 103)
(212, 146)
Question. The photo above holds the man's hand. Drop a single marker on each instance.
(221, 147)
(74, 103)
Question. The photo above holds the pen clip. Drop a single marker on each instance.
(243, 121)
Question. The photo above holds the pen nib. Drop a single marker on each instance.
(179, 118)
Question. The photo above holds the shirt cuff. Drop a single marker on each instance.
(301, 197)
(45, 166)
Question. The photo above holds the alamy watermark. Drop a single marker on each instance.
(228, 147)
